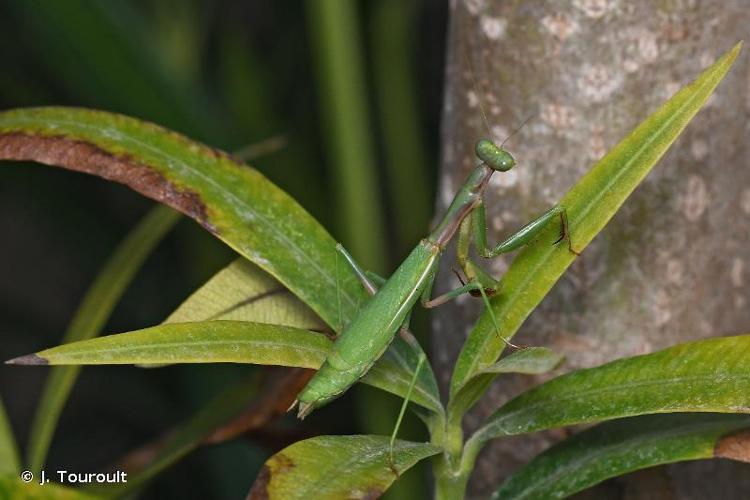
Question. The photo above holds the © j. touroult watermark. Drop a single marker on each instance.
(69, 477)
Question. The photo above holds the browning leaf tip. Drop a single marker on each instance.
(29, 359)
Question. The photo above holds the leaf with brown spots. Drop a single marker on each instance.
(735, 446)
(618, 447)
(233, 201)
(336, 467)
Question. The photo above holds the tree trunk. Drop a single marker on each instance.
(674, 263)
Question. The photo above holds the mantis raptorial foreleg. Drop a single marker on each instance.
(480, 283)
(377, 279)
(472, 270)
(368, 285)
(523, 236)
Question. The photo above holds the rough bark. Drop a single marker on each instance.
(674, 264)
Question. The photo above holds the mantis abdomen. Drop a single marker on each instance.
(366, 338)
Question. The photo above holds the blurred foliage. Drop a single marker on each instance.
(228, 73)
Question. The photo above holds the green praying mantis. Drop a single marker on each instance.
(364, 340)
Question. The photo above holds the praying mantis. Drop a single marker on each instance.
(364, 340)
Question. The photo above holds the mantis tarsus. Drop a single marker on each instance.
(368, 335)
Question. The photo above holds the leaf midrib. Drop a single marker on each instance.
(199, 344)
(608, 389)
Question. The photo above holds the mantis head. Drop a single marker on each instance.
(493, 156)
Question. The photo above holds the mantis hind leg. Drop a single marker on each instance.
(420, 362)
(370, 281)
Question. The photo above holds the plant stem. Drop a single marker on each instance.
(448, 484)
(454, 467)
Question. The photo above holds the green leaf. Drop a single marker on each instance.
(529, 361)
(591, 203)
(618, 447)
(703, 376)
(393, 373)
(230, 342)
(11, 486)
(234, 202)
(9, 461)
(195, 342)
(97, 305)
(335, 467)
(242, 292)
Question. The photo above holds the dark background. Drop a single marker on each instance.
(229, 73)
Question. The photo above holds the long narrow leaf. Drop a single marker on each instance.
(590, 205)
(96, 307)
(616, 448)
(233, 201)
(226, 342)
(196, 342)
(242, 292)
(12, 487)
(335, 467)
(9, 461)
(530, 361)
(703, 376)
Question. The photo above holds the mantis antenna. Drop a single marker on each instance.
(481, 106)
(518, 129)
(479, 95)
